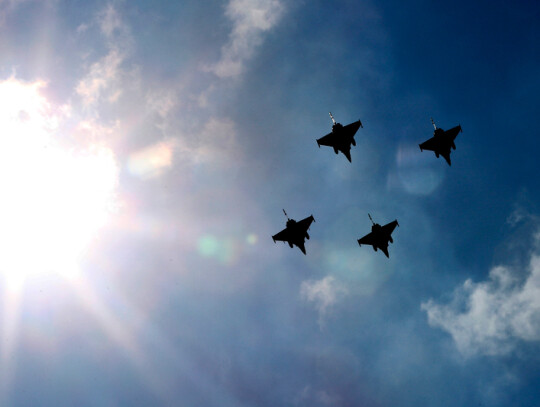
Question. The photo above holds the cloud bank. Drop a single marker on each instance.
(493, 316)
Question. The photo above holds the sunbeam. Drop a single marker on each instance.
(54, 200)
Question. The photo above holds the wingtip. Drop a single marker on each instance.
(397, 223)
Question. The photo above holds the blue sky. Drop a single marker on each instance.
(149, 147)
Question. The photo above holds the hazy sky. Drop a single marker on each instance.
(147, 149)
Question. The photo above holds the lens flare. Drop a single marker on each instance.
(417, 173)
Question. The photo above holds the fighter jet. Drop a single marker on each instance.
(379, 236)
(442, 141)
(341, 137)
(295, 232)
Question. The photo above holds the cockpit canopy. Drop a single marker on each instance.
(375, 227)
(337, 127)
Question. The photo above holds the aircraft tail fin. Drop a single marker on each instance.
(447, 158)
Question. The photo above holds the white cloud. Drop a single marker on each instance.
(93, 131)
(323, 294)
(162, 101)
(491, 317)
(250, 18)
(110, 21)
(218, 140)
(82, 28)
(103, 77)
(522, 212)
(111, 79)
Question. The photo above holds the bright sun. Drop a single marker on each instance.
(52, 200)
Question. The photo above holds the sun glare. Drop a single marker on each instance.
(53, 200)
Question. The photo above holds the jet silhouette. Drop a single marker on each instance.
(341, 137)
(379, 236)
(442, 141)
(295, 232)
